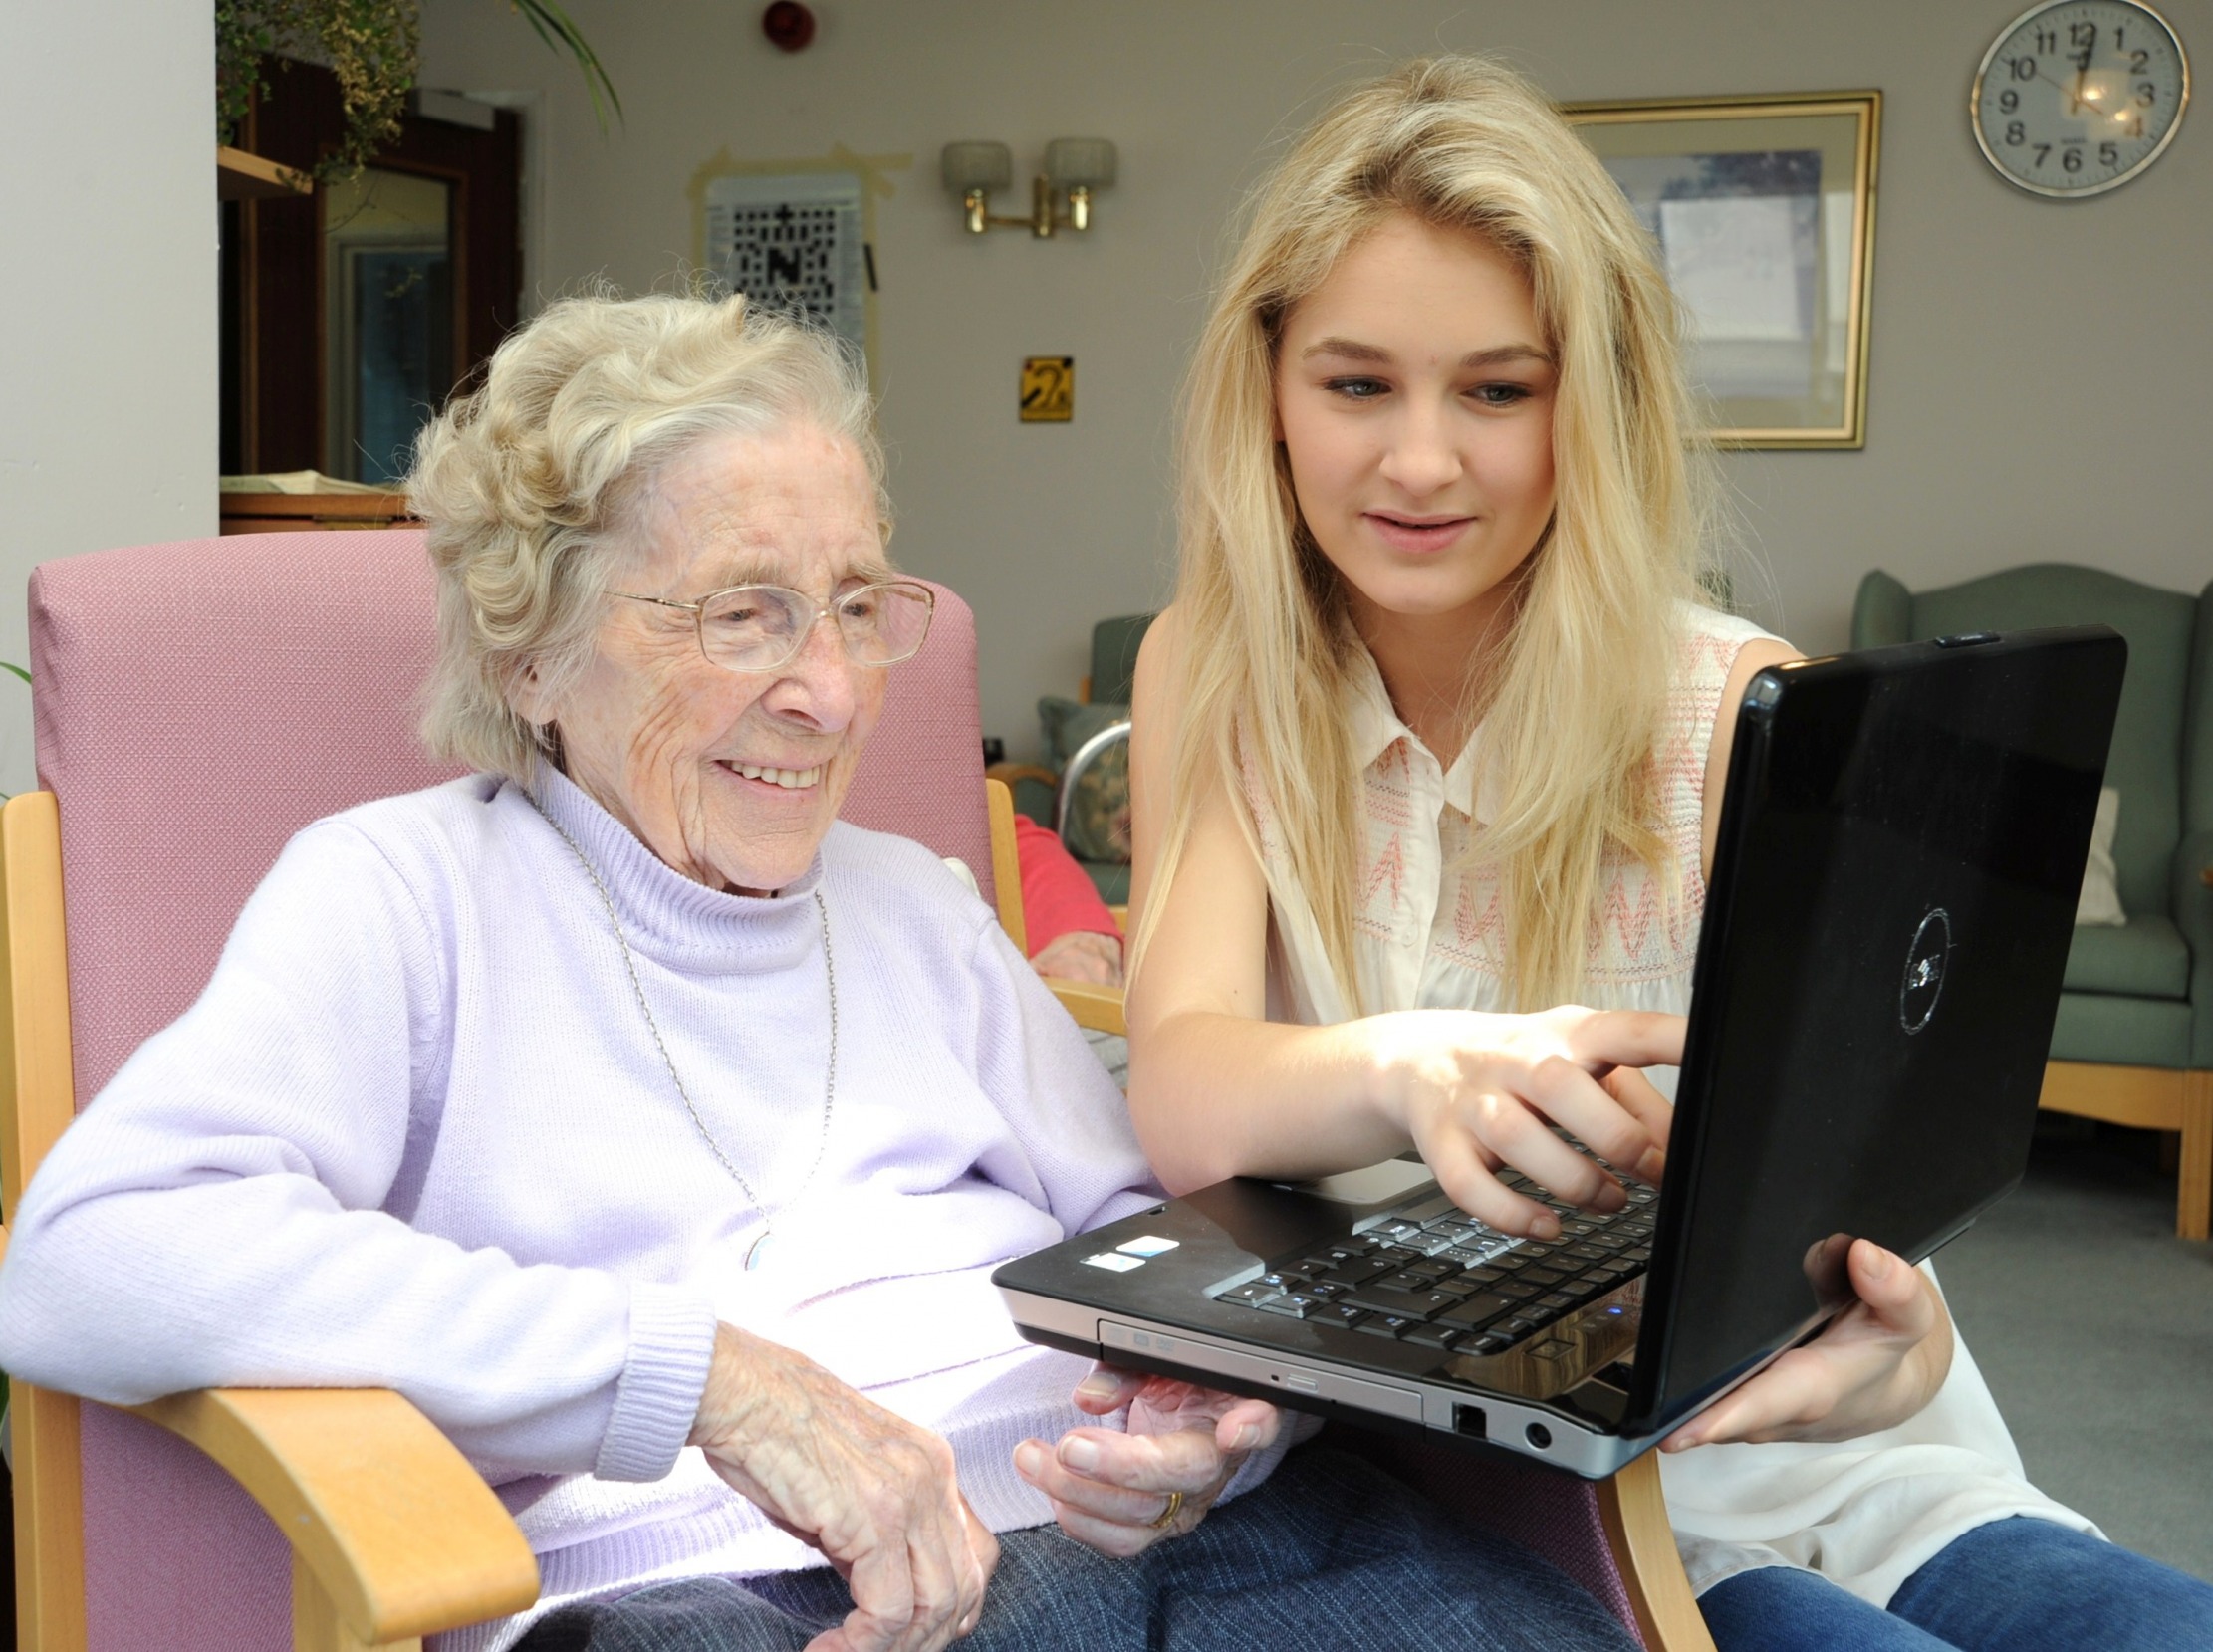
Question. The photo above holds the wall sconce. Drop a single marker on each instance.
(1073, 167)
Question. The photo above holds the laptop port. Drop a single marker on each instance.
(1470, 1421)
(1538, 1435)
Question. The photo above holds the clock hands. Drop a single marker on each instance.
(2075, 101)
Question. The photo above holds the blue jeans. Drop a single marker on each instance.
(1329, 1556)
(2013, 1586)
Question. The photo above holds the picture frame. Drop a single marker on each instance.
(1762, 211)
(797, 234)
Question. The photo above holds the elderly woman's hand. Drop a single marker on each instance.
(1111, 1488)
(877, 1495)
(1081, 955)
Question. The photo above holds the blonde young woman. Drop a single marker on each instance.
(1431, 743)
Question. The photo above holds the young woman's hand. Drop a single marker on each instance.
(1878, 1362)
(1116, 1491)
(1477, 1092)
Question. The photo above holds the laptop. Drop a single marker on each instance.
(1902, 846)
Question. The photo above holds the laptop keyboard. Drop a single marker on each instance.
(1432, 1275)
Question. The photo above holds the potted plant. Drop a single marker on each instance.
(371, 46)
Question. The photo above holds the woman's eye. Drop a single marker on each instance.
(1355, 389)
(1500, 395)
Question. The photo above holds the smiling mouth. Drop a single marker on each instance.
(1390, 519)
(792, 780)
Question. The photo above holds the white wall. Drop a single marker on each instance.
(2042, 377)
(108, 294)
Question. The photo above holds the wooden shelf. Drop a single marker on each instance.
(240, 177)
(284, 512)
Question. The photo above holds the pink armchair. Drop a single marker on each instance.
(197, 703)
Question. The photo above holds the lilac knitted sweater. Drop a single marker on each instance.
(416, 1134)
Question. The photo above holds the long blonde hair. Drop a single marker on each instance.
(1575, 699)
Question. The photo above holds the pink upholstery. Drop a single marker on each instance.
(196, 704)
(1542, 1509)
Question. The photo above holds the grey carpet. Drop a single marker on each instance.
(2093, 1326)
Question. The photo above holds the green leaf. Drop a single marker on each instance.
(561, 34)
(6, 665)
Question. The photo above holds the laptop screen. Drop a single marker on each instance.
(1892, 900)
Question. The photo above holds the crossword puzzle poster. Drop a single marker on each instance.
(793, 242)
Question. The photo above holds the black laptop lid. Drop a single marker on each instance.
(1894, 895)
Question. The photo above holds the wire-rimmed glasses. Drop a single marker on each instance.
(763, 628)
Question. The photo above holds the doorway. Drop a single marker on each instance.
(349, 314)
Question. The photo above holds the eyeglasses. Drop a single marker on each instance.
(762, 627)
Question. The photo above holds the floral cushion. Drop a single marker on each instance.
(1098, 808)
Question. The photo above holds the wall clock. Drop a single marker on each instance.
(2078, 97)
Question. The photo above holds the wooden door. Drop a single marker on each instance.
(352, 312)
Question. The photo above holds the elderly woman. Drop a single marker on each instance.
(657, 1134)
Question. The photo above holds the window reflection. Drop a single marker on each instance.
(388, 319)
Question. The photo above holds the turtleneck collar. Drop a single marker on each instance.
(665, 915)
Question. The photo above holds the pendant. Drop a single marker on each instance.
(758, 1251)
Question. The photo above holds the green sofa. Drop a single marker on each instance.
(1070, 727)
(2134, 1041)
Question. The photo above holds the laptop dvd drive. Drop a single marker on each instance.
(1885, 928)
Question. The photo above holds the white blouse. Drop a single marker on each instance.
(1428, 934)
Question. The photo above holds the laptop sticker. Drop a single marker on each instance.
(1114, 1262)
(1147, 1244)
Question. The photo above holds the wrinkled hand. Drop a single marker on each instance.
(1878, 1362)
(877, 1495)
(1108, 1486)
(1082, 955)
(1478, 1091)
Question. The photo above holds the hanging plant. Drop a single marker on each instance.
(374, 47)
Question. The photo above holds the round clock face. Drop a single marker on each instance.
(2080, 95)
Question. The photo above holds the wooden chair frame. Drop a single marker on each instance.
(1632, 1504)
(394, 1534)
(2147, 1099)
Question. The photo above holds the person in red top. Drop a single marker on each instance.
(1071, 933)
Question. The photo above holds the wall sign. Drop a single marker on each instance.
(797, 235)
(1048, 390)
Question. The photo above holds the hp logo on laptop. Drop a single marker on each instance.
(1925, 961)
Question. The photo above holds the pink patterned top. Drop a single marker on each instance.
(1429, 932)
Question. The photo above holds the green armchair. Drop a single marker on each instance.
(1088, 735)
(2134, 1041)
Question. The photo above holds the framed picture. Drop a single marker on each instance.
(797, 235)
(1763, 213)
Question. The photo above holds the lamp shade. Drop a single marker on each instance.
(1080, 163)
(976, 166)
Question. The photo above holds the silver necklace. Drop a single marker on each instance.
(758, 1251)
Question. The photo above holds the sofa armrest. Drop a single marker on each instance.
(2192, 910)
(401, 1534)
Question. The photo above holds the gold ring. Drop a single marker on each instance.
(1168, 1514)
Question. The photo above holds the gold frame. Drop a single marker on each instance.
(1865, 109)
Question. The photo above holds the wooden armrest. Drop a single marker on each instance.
(401, 1534)
(1635, 1510)
(1095, 1007)
(1009, 772)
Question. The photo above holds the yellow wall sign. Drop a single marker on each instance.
(1048, 388)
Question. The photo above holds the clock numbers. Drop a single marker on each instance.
(2076, 96)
